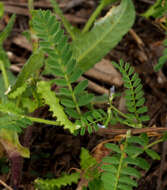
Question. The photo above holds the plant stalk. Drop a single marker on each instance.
(4, 74)
(31, 5)
(92, 18)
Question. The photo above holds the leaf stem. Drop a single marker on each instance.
(73, 95)
(4, 74)
(93, 17)
(153, 143)
(31, 5)
(148, 146)
(121, 160)
(39, 120)
(96, 13)
(119, 112)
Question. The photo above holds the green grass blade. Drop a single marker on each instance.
(7, 30)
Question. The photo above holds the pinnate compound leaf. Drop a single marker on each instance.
(64, 180)
(58, 111)
(106, 33)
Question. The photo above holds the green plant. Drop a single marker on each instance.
(88, 171)
(157, 10)
(119, 170)
(66, 62)
(162, 60)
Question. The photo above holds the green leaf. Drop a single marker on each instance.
(87, 160)
(165, 136)
(136, 82)
(95, 184)
(124, 187)
(140, 102)
(144, 118)
(7, 30)
(109, 168)
(11, 78)
(91, 47)
(111, 160)
(131, 70)
(61, 82)
(70, 29)
(75, 75)
(113, 147)
(57, 72)
(138, 89)
(140, 162)
(135, 77)
(4, 57)
(132, 150)
(127, 65)
(139, 95)
(142, 110)
(1, 10)
(131, 172)
(33, 65)
(68, 103)
(50, 184)
(65, 91)
(144, 138)
(72, 113)
(152, 154)
(81, 87)
(128, 181)
(109, 180)
(137, 139)
(50, 98)
(85, 99)
(10, 140)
